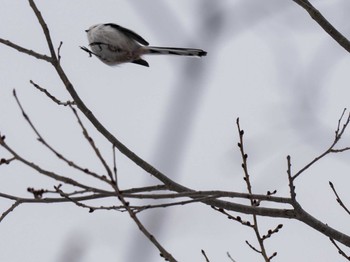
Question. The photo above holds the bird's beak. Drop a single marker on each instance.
(87, 30)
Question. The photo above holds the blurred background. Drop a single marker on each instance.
(268, 63)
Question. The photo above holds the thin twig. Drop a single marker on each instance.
(340, 251)
(216, 193)
(272, 231)
(229, 256)
(6, 161)
(252, 247)
(205, 256)
(9, 210)
(93, 145)
(237, 218)
(43, 141)
(115, 171)
(143, 189)
(338, 198)
(253, 203)
(339, 122)
(290, 179)
(163, 252)
(338, 135)
(179, 203)
(25, 50)
(80, 204)
(59, 52)
(47, 200)
(46, 31)
(54, 99)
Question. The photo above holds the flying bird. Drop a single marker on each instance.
(114, 44)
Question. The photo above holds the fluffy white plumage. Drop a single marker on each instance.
(114, 44)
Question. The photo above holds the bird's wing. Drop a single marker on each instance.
(129, 33)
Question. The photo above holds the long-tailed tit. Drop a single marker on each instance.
(114, 44)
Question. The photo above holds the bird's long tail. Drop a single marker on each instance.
(175, 51)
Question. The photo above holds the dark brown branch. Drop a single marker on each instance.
(229, 256)
(48, 200)
(9, 210)
(216, 193)
(25, 50)
(290, 179)
(54, 99)
(179, 203)
(46, 172)
(338, 198)
(338, 135)
(59, 52)
(340, 251)
(322, 21)
(6, 161)
(235, 218)
(78, 202)
(43, 141)
(252, 247)
(115, 171)
(93, 145)
(41, 20)
(205, 256)
(143, 189)
(272, 231)
(253, 202)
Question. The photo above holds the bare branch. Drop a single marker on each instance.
(50, 174)
(322, 21)
(54, 99)
(115, 171)
(340, 251)
(253, 202)
(92, 144)
(79, 204)
(213, 193)
(229, 256)
(58, 200)
(338, 135)
(252, 247)
(237, 218)
(179, 203)
(163, 252)
(25, 50)
(6, 161)
(205, 256)
(59, 52)
(290, 179)
(42, 140)
(272, 231)
(338, 198)
(143, 189)
(41, 20)
(339, 122)
(8, 211)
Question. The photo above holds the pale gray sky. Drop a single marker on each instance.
(268, 63)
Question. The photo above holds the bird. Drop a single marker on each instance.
(114, 45)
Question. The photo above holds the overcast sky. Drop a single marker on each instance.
(268, 63)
